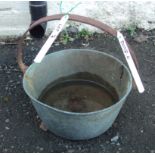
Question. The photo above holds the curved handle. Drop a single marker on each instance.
(72, 17)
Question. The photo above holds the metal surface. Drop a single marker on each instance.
(70, 125)
(72, 17)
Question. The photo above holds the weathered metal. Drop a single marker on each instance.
(74, 125)
(72, 17)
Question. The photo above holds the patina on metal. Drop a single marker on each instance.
(77, 125)
(74, 125)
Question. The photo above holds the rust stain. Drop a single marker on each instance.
(73, 17)
(30, 82)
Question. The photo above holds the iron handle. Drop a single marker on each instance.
(72, 17)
